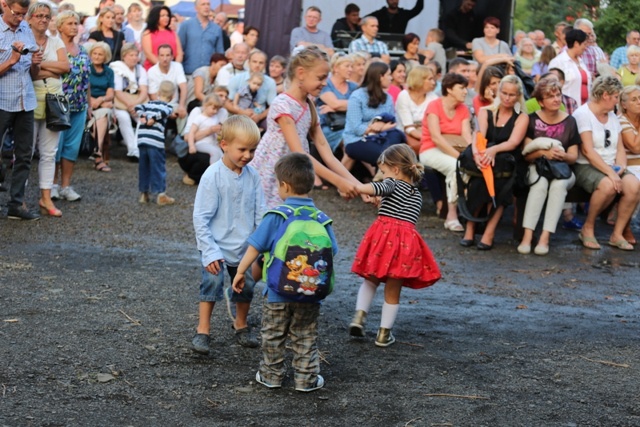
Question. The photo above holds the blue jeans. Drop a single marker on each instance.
(152, 173)
(22, 123)
(368, 151)
(212, 285)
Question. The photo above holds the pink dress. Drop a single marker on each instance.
(159, 38)
(273, 145)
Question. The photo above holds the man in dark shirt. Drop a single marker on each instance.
(461, 25)
(394, 19)
(350, 24)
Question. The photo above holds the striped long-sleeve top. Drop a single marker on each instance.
(153, 135)
(400, 199)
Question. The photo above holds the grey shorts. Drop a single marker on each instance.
(588, 177)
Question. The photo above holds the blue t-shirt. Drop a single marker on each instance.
(101, 81)
(263, 238)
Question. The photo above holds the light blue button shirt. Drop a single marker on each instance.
(228, 208)
(199, 43)
(266, 94)
(359, 114)
(16, 86)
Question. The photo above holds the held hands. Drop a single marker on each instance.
(347, 189)
(214, 267)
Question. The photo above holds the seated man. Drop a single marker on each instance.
(266, 94)
(349, 24)
(310, 34)
(239, 54)
(368, 42)
(394, 19)
(168, 69)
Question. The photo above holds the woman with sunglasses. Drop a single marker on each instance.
(601, 168)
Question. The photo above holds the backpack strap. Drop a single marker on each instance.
(287, 211)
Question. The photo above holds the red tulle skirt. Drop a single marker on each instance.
(393, 249)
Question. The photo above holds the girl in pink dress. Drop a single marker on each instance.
(392, 251)
(292, 121)
(159, 33)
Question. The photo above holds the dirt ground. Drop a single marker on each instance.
(97, 310)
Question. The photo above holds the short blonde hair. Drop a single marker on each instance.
(633, 49)
(37, 6)
(605, 84)
(62, 17)
(240, 127)
(417, 75)
(128, 47)
(101, 45)
(624, 96)
(212, 99)
(338, 58)
(166, 90)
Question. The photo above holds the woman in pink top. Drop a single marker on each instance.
(398, 79)
(446, 116)
(157, 34)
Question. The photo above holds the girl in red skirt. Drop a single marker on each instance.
(392, 250)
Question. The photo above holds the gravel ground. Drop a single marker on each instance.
(97, 310)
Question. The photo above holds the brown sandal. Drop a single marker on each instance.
(100, 165)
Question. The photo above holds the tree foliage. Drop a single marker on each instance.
(617, 17)
(544, 14)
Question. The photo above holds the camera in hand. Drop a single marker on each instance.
(25, 50)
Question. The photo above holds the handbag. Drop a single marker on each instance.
(336, 121)
(119, 105)
(551, 169)
(88, 143)
(456, 141)
(56, 111)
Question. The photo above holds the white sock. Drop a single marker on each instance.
(389, 313)
(365, 295)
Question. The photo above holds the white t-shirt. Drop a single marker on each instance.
(588, 122)
(175, 75)
(208, 144)
(226, 73)
(118, 80)
(408, 112)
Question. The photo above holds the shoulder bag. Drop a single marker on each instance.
(56, 109)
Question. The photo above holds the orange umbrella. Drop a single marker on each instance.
(487, 171)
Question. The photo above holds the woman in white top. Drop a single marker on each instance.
(601, 168)
(577, 79)
(630, 124)
(490, 46)
(412, 103)
(54, 64)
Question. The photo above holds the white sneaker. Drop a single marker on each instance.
(69, 194)
(55, 194)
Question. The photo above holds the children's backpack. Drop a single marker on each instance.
(300, 264)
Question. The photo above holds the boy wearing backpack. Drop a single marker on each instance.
(299, 245)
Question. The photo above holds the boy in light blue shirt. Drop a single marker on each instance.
(229, 206)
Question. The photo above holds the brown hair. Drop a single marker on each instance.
(404, 158)
(296, 169)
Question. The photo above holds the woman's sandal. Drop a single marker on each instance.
(589, 242)
(100, 165)
(621, 244)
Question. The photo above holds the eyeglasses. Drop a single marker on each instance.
(16, 15)
(40, 17)
(607, 136)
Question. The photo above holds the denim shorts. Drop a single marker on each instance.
(212, 285)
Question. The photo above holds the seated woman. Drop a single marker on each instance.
(411, 46)
(334, 97)
(486, 87)
(366, 107)
(630, 71)
(410, 108)
(601, 168)
(504, 126)
(446, 116)
(398, 79)
(527, 54)
(130, 84)
(202, 82)
(489, 46)
(548, 122)
(101, 97)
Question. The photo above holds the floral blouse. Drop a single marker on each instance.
(75, 84)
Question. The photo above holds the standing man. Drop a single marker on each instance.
(310, 34)
(461, 26)
(593, 55)
(394, 19)
(350, 23)
(559, 33)
(223, 22)
(619, 56)
(17, 97)
(200, 38)
(368, 42)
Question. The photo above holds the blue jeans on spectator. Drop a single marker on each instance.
(22, 123)
(152, 173)
(369, 151)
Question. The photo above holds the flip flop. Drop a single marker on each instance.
(621, 244)
(589, 242)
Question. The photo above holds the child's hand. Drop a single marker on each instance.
(238, 283)
(143, 120)
(214, 267)
(347, 189)
(216, 128)
(150, 122)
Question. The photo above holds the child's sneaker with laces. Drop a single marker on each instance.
(318, 384)
(69, 194)
(163, 200)
(200, 343)
(385, 338)
(260, 380)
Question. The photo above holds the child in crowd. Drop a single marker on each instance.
(245, 99)
(283, 317)
(222, 92)
(392, 251)
(437, 72)
(228, 207)
(277, 70)
(435, 50)
(292, 116)
(204, 129)
(152, 172)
